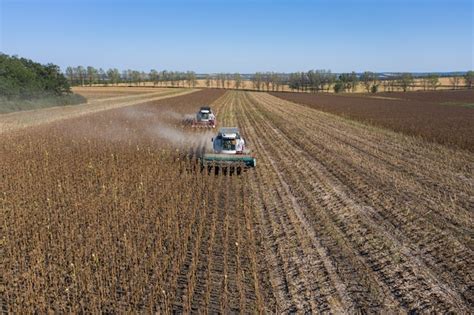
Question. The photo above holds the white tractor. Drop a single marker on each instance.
(205, 118)
(229, 150)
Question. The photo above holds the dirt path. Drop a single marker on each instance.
(20, 120)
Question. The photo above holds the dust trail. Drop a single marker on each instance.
(134, 124)
(168, 126)
(180, 138)
(178, 116)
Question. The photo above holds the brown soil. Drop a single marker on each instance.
(417, 114)
(108, 213)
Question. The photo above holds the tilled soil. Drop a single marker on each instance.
(433, 116)
(337, 216)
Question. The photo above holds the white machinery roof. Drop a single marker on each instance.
(229, 132)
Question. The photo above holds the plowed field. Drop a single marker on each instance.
(441, 116)
(108, 213)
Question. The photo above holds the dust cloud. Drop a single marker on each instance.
(170, 126)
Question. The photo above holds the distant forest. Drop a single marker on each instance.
(24, 78)
(25, 84)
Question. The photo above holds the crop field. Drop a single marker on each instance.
(109, 212)
(96, 103)
(93, 93)
(422, 114)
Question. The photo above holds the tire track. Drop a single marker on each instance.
(298, 153)
(307, 284)
(446, 256)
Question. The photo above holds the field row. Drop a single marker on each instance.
(109, 212)
(434, 116)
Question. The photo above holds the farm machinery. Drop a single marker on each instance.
(229, 152)
(205, 118)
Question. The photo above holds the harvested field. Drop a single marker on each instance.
(415, 113)
(92, 93)
(107, 213)
(24, 119)
(436, 97)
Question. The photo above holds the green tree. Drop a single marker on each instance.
(22, 78)
(237, 80)
(469, 79)
(154, 76)
(405, 81)
(102, 76)
(257, 81)
(433, 80)
(354, 80)
(455, 80)
(91, 75)
(70, 74)
(113, 76)
(276, 81)
(191, 78)
(81, 73)
(368, 79)
(345, 80)
(339, 86)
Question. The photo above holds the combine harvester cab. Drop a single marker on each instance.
(229, 152)
(205, 118)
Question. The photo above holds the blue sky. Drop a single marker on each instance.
(242, 36)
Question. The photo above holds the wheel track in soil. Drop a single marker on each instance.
(418, 172)
(463, 206)
(302, 278)
(220, 273)
(409, 269)
(299, 155)
(443, 253)
(309, 206)
(255, 290)
(332, 270)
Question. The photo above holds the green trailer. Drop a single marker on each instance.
(226, 160)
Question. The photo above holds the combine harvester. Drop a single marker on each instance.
(205, 118)
(229, 152)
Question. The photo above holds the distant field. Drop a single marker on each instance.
(110, 91)
(440, 97)
(413, 113)
(444, 85)
(96, 103)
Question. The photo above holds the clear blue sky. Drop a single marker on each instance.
(242, 36)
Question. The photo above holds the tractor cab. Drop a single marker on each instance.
(205, 118)
(229, 141)
(204, 114)
(229, 151)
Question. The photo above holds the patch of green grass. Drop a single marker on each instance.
(14, 105)
(468, 105)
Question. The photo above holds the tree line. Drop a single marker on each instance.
(324, 80)
(83, 76)
(309, 81)
(22, 78)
